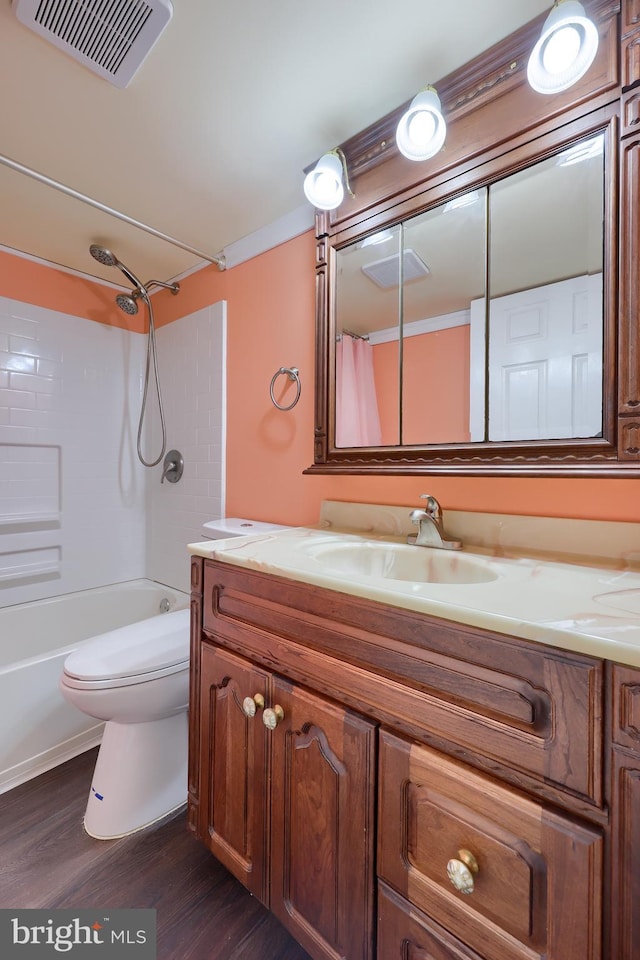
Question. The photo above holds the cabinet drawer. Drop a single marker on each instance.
(525, 711)
(405, 933)
(433, 810)
(630, 113)
(626, 707)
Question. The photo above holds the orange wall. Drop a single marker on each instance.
(435, 387)
(32, 282)
(271, 324)
(436, 380)
(385, 368)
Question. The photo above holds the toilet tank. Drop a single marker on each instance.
(237, 527)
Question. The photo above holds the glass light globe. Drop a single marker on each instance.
(327, 188)
(561, 50)
(421, 128)
(565, 50)
(323, 186)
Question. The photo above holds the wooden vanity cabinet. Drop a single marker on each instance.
(459, 739)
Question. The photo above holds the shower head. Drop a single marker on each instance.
(128, 302)
(109, 259)
(103, 256)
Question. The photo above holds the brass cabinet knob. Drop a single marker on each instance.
(271, 718)
(461, 871)
(252, 704)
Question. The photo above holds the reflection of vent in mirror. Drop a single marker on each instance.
(111, 39)
(386, 272)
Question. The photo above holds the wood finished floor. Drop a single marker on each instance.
(47, 860)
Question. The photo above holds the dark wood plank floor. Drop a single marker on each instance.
(47, 860)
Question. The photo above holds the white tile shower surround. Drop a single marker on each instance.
(70, 392)
(192, 362)
(68, 387)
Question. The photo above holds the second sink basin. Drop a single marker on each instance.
(397, 561)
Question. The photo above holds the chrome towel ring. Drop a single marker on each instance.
(293, 374)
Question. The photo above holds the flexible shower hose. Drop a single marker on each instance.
(151, 352)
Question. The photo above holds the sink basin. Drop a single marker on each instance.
(397, 561)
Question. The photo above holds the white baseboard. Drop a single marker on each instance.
(34, 766)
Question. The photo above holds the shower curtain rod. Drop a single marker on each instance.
(354, 336)
(42, 178)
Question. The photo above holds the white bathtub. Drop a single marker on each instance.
(38, 728)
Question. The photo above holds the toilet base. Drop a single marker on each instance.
(140, 776)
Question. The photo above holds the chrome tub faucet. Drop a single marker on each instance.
(428, 520)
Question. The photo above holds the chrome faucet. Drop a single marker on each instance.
(429, 523)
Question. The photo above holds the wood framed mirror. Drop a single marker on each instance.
(477, 313)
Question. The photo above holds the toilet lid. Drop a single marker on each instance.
(138, 649)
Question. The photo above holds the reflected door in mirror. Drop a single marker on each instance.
(546, 299)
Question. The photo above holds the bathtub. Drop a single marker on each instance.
(38, 728)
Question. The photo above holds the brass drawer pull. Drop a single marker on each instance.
(250, 705)
(461, 871)
(271, 718)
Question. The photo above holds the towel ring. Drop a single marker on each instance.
(293, 374)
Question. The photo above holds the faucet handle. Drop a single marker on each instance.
(172, 467)
(432, 507)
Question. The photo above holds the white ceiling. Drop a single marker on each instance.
(208, 142)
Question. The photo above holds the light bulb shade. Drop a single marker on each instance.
(566, 48)
(422, 129)
(323, 186)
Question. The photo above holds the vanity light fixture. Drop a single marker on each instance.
(324, 185)
(422, 129)
(566, 48)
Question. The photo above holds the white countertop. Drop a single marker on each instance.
(587, 609)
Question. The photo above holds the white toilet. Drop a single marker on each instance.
(136, 678)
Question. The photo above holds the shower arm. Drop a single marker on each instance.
(174, 287)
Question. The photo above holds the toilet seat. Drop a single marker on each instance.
(137, 653)
(70, 681)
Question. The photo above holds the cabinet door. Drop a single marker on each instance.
(525, 882)
(625, 819)
(625, 885)
(322, 824)
(233, 759)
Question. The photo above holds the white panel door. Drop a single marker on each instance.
(545, 362)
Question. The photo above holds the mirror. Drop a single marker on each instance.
(367, 380)
(480, 319)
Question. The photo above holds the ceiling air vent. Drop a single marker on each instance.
(386, 272)
(111, 37)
